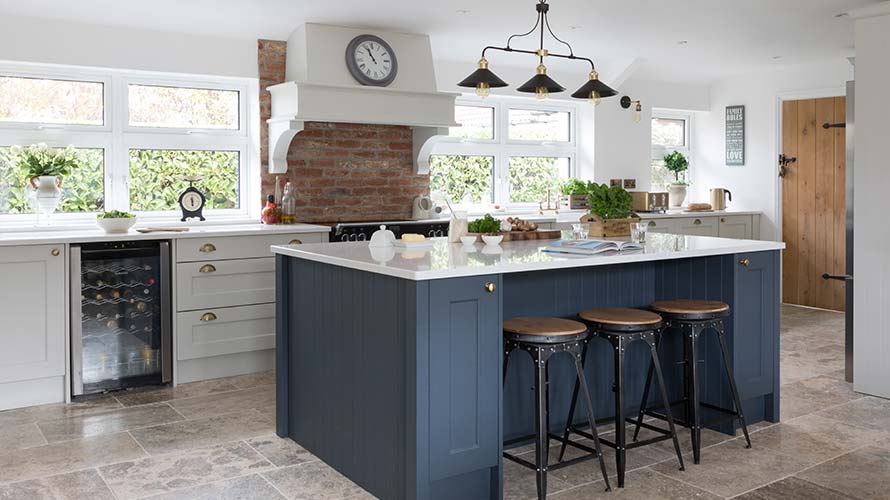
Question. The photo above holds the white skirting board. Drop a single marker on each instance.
(32, 392)
(228, 365)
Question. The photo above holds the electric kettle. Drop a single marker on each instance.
(718, 198)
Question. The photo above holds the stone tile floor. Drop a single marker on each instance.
(215, 440)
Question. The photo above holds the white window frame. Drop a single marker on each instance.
(116, 136)
(501, 148)
(658, 152)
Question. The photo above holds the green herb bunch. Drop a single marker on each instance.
(575, 187)
(485, 225)
(40, 160)
(114, 214)
(609, 202)
(678, 164)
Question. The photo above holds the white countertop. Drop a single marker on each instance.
(575, 215)
(57, 236)
(448, 260)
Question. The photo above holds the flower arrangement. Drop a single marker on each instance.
(40, 160)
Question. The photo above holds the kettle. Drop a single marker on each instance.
(718, 198)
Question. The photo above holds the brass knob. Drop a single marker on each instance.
(295, 242)
(652, 223)
(208, 317)
(745, 262)
(207, 268)
(722, 219)
(697, 222)
(490, 287)
(207, 248)
(55, 252)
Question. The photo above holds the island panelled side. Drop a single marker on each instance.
(396, 383)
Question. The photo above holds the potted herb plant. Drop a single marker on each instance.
(678, 164)
(485, 228)
(611, 211)
(574, 194)
(115, 221)
(45, 168)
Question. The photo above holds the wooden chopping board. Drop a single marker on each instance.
(540, 234)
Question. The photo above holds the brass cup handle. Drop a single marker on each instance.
(652, 223)
(745, 262)
(207, 248)
(295, 242)
(207, 268)
(208, 317)
(490, 287)
(55, 252)
(697, 222)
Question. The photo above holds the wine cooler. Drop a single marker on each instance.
(121, 324)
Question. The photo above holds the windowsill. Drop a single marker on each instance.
(86, 224)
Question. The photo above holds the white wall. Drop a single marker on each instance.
(755, 186)
(871, 182)
(59, 42)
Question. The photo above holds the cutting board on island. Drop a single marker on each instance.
(539, 234)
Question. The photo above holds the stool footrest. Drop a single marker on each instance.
(520, 461)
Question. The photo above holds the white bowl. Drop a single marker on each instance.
(468, 240)
(121, 225)
(492, 239)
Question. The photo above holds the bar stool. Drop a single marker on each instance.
(692, 318)
(541, 338)
(621, 327)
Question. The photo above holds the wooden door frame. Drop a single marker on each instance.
(781, 97)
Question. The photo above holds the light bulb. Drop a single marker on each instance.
(594, 98)
(541, 93)
(637, 117)
(483, 90)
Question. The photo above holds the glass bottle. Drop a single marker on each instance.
(288, 204)
(271, 214)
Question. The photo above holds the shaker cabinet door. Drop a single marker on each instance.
(756, 323)
(32, 311)
(737, 226)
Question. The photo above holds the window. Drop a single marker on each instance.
(137, 136)
(670, 132)
(506, 151)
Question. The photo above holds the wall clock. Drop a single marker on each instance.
(371, 61)
(192, 201)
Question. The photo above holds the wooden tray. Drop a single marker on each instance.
(540, 234)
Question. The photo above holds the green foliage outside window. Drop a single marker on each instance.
(83, 190)
(459, 176)
(155, 182)
(531, 178)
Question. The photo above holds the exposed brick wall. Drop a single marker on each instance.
(342, 171)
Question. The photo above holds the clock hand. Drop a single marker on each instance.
(370, 54)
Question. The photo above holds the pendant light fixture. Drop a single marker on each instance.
(483, 79)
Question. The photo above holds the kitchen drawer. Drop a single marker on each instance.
(237, 247)
(737, 226)
(227, 330)
(224, 283)
(662, 225)
(698, 226)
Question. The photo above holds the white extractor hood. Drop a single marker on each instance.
(320, 89)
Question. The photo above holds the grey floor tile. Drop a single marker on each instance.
(793, 488)
(218, 404)
(814, 394)
(80, 485)
(864, 474)
(868, 412)
(312, 481)
(81, 406)
(281, 452)
(643, 484)
(118, 420)
(520, 483)
(146, 395)
(252, 379)
(811, 439)
(251, 487)
(67, 456)
(166, 473)
(181, 436)
(16, 437)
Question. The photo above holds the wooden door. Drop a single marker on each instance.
(814, 202)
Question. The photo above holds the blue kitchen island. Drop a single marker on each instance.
(390, 361)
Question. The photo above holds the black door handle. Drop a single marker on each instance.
(844, 277)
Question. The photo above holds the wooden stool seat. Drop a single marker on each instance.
(690, 309)
(621, 319)
(543, 330)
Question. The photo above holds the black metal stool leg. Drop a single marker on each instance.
(591, 415)
(664, 397)
(727, 363)
(695, 399)
(620, 423)
(571, 418)
(506, 359)
(645, 402)
(542, 444)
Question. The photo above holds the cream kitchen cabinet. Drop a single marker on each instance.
(736, 226)
(662, 225)
(32, 335)
(698, 226)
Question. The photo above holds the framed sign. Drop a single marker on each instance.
(735, 135)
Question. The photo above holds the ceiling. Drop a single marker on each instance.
(723, 37)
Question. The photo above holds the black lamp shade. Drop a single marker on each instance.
(482, 75)
(541, 80)
(594, 85)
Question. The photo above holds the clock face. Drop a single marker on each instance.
(192, 201)
(371, 60)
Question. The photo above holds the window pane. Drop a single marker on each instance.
(476, 122)
(532, 177)
(660, 176)
(463, 179)
(36, 100)
(155, 178)
(82, 191)
(668, 132)
(180, 107)
(537, 125)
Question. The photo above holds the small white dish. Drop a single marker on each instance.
(492, 239)
(468, 240)
(116, 226)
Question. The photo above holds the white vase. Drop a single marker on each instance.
(47, 193)
(677, 194)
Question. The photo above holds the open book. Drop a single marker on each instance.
(591, 247)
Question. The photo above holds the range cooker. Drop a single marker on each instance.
(362, 231)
